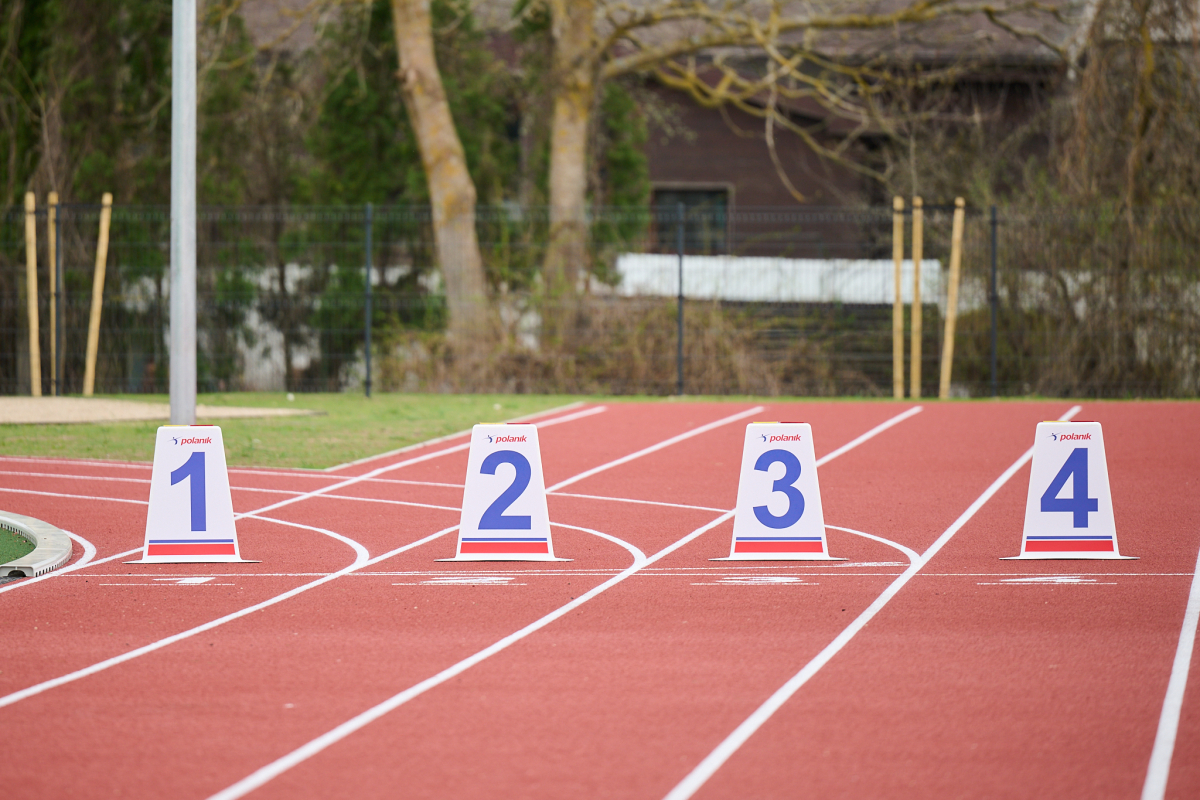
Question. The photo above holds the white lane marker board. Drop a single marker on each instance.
(190, 516)
(1069, 511)
(504, 513)
(778, 516)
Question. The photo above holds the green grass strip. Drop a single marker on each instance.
(12, 546)
(346, 427)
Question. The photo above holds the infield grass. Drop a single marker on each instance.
(12, 546)
(346, 427)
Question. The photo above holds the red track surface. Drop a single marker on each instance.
(966, 684)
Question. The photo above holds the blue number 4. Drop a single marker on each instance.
(1079, 504)
(194, 468)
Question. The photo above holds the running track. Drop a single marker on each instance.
(351, 663)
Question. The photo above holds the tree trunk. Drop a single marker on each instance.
(573, 28)
(451, 190)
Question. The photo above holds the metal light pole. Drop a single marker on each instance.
(679, 335)
(183, 212)
(367, 316)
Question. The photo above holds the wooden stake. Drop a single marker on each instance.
(35, 347)
(93, 343)
(51, 220)
(952, 298)
(897, 302)
(914, 389)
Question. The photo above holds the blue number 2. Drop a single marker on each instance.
(791, 472)
(493, 519)
(1079, 504)
(194, 468)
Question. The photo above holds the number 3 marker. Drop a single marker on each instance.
(778, 516)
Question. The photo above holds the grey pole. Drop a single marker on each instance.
(183, 212)
(367, 320)
(995, 299)
(679, 335)
(59, 323)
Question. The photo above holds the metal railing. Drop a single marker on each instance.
(771, 301)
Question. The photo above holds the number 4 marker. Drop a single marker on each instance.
(1068, 512)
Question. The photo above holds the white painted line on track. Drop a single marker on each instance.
(449, 436)
(455, 509)
(89, 549)
(656, 447)
(74, 497)
(360, 552)
(312, 748)
(642, 502)
(408, 462)
(871, 434)
(79, 461)
(360, 560)
(742, 733)
(68, 569)
(153, 646)
(267, 773)
(1155, 787)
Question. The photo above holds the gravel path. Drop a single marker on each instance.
(47, 410)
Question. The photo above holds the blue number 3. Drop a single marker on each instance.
(494, 519)
(784, 485)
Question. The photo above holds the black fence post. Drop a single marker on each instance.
(367, 320)
(679, 335)
(994, 299)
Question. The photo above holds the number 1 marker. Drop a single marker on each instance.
(190, 518)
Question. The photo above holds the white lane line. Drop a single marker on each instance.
(871, 434)
(87, 462)
(449, 436)
(73, 497)
(359, 561)
(642, 502)
(1168, 722)
(68, 569)
(103, 665)
(89, 549)
(655, 447)
(366, 476)
(456, 509)
(360, 552)
(312, 748)
(732, 743)
(909, 553)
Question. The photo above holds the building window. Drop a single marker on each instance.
(706, 220)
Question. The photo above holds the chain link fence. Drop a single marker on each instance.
(775, 301)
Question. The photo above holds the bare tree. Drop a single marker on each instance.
(451, 191)
(762, 56)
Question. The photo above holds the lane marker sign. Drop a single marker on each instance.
(778, 515)
(190, 517)
(504, 514)
(1069, 513)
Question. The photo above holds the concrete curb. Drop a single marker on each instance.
(52, 546)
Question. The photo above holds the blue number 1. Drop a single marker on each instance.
(791, 472)
(194, 468)
(1079, 504)
(494, 519)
